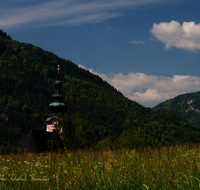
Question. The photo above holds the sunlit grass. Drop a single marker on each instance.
(164, 168)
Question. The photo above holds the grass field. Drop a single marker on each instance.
(164, 168)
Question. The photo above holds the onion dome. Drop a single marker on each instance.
(57, 105)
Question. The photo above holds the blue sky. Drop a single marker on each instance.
(147, 49)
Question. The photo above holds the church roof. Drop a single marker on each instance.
(49, 118)
(36, 141)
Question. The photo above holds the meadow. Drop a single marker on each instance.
(172, 167)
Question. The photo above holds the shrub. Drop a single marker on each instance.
(133, 139)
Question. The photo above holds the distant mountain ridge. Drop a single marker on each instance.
(27, 75)
(186, 106)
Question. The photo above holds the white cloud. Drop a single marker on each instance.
(172, 34)
(149, 90)
(149, 97)
(65, 12)
(138, 42)
(92, 18)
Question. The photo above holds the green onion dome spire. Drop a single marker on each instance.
(57, 105)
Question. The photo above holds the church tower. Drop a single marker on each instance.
(57, 105)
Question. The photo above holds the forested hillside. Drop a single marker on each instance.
(27, 74)
(186, 106)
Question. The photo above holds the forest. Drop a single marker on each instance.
(27, 75)
(186, 106)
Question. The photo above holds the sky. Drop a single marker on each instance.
(147, 49)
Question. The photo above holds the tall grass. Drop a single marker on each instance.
(170, 167)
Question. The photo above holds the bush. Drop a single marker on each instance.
(103, 144)
(133, 139)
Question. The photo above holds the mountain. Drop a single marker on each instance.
(186, 106)
(27, 75)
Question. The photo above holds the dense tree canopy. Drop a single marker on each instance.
(186, 106)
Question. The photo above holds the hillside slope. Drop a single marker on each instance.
(27, 74)
(186, 106)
